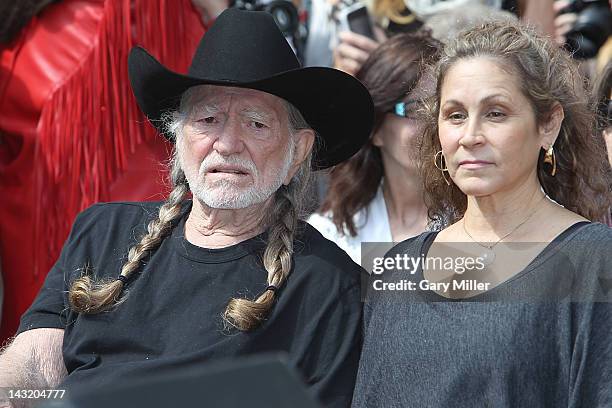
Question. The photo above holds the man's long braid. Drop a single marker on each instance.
(245, 314)
(289, 204)
(88, 295)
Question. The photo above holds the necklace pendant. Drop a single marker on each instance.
(487, 256)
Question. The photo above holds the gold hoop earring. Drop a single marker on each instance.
(549, 158)
(442, 167)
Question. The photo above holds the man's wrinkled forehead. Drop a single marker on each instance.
(217, 98)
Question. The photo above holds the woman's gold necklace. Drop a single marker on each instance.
(488, 255)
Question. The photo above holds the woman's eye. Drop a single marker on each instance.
(496, 114)
(456, 116)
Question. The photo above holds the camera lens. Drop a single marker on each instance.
(591, 30)
(281, 18)
(285, 15)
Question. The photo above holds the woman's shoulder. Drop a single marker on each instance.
(585, 245)
(594, 230)
(585, 252)
(322, 222)
(326, 226)
(596, 234)
(590, 239)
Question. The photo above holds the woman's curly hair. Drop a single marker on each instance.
(548, 75)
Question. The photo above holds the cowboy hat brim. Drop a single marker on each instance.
(336, 105)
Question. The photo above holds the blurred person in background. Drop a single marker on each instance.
(582, 26)
(350, 49)
(511, 157)
(70, 134)
(329, 44)
(537, 13)
(377, 195)
(289, 15)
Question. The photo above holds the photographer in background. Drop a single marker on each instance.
(582, 26)
(288, 15)
(353, 49)
(332, 41)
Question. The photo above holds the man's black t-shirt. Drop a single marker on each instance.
(172, 310)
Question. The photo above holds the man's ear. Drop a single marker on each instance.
(550, 127)
(304, 140)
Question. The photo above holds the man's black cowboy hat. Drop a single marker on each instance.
(246, 49)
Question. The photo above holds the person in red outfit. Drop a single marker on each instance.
(70, 133)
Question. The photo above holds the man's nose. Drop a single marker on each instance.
(229, 140)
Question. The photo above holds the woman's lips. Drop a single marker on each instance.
(474, 164)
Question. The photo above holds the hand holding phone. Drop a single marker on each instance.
(356, 18)
(357, 38)
(352, 51)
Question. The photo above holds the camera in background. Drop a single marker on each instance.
(286, 16)
(592, 28)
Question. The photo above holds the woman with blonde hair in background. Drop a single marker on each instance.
(510, 304)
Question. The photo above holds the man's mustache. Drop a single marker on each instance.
(212, 161)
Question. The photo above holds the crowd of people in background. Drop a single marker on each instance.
(538, 72)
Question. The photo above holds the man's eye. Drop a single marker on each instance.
(208, 120)
(258, 125)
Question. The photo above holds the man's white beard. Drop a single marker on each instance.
(225, 194)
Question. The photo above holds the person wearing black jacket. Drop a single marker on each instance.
(140, 287)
